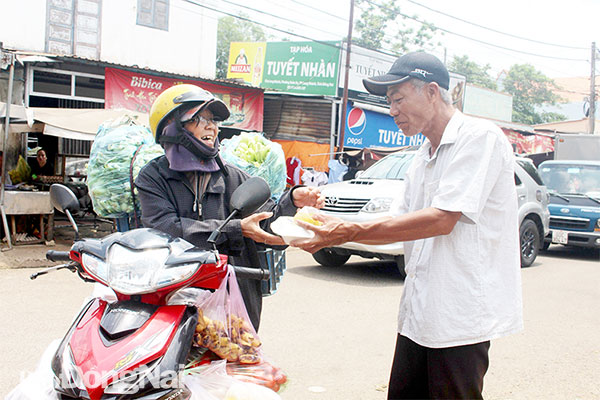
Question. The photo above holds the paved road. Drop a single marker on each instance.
(333, 330)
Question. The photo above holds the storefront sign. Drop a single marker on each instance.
(364, 63)
(137, 91)
(291, 67)
(246, 60)
(366, 128)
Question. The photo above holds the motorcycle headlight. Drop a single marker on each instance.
(377, 205)
(142, 271)
(95, 266)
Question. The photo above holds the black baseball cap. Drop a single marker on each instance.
(420, 65)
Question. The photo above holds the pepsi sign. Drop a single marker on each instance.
(357, 121)
(365, 128)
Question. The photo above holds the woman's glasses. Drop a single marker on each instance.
(199, 119)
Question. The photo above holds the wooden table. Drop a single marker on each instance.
(29, 203)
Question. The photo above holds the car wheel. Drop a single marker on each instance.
(530, 240)
(400, 264)
(328, 258)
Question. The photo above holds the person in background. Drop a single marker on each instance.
(186, 192)
(460, 227)
(40, 166)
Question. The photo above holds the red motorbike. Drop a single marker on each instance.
(136, 347)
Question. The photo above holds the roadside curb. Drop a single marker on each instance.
(29, 255)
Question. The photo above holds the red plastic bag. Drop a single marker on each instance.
(224, 326)
(263, 373)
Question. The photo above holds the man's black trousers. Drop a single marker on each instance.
(429, 373)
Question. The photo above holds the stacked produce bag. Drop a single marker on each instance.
(120, 150)
(258, 156)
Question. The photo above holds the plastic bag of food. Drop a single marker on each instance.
(263, 373)
(118, 153)
(224, 326)
(258, 156)
(211, 382)
(21, 173)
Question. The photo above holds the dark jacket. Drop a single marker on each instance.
(167, 202)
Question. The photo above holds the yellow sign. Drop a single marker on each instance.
(246, 60)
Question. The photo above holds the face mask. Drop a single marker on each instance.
(186, 153)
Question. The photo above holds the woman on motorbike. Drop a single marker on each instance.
(186, 192)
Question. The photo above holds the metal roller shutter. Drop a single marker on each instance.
(297, 119)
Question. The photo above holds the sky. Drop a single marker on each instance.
(553, 36)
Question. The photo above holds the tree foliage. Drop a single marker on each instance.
(475, 73)
(232, 29)
(382, 26)
(530, 90)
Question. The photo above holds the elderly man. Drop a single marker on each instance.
(459, 222)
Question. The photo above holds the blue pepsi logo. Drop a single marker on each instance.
(357, 121)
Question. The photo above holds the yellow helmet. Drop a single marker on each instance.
(180, 98)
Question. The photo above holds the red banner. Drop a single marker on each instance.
(529, 144)
(136, 91)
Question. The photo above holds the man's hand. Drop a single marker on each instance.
(334, 231)
(308, 196)
(251, 229)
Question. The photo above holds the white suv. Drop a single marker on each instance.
(376, 190)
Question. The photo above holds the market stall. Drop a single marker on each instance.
(36, 204)
(31, 199)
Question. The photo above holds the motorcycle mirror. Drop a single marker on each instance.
(64, 200)
(245, 199)
(249, 196)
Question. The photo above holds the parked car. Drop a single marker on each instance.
(377, 189)
(534, 216)
(574, 187)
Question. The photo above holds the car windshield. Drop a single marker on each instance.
(393, 166)
(572, 178)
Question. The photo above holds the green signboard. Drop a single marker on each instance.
(302, 67)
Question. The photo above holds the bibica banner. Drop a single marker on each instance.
(302, 67)
(366, 128)
(137, 91)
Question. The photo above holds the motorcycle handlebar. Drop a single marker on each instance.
(55, 255)
(251, 273)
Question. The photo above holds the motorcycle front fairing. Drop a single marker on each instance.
(138, 344)
(124, 348)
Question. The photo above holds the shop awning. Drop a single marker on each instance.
(80, 124)
(69, 123)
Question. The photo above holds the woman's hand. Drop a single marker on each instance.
(251, 229)
(308, 196)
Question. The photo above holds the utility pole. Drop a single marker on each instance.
(592, 115)
(345, 95)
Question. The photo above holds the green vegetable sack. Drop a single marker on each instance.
(257, 156)
(111, 158)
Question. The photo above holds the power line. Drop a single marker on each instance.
(321, 11)
(494, 30)
(261, 24)
(477, 40)
(278, 17)
(326, 43)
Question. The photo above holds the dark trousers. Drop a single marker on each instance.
(448, 373)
